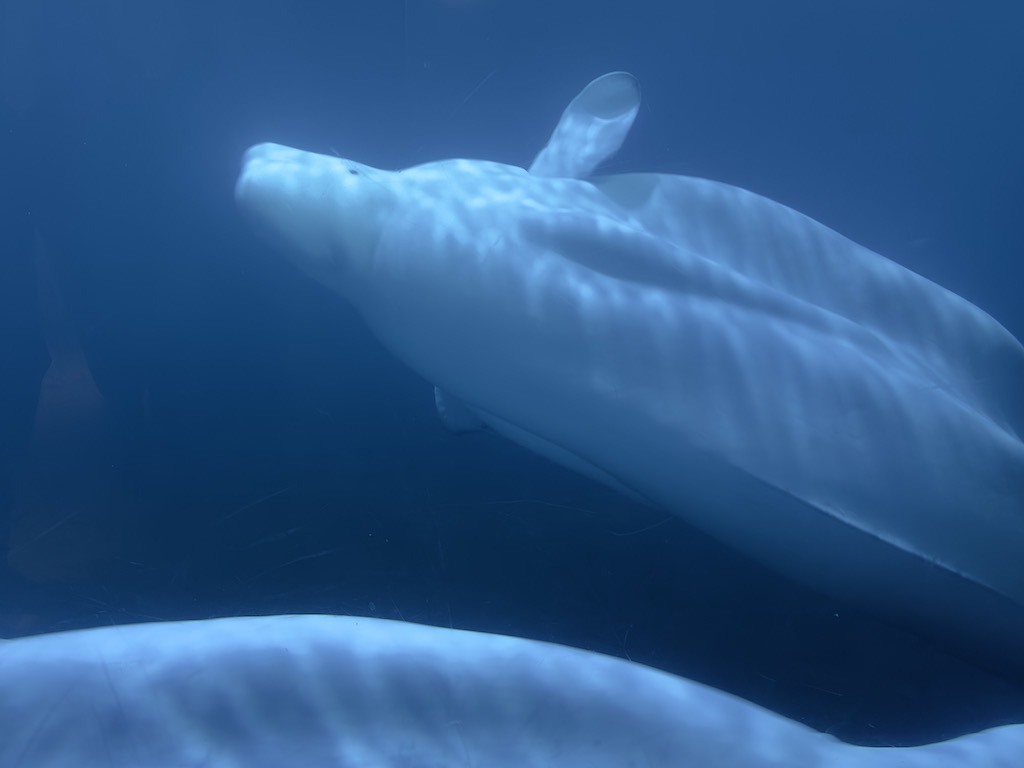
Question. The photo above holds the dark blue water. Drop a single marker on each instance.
(218, 435)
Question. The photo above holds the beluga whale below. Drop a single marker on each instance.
(340, 691)
(697, 346)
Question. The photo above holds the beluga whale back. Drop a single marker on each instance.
(340, 691)
(697, 346)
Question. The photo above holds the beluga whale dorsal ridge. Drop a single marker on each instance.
(697, 346)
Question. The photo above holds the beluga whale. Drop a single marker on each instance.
(696, 346)
(327, 691)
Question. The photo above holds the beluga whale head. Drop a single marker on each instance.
(324, 212)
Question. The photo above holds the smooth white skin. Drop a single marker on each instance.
(807, 401)
(329, 691)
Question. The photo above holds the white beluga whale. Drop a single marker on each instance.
(699, 347)
(327, 691)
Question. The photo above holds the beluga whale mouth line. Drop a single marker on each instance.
(716, 354)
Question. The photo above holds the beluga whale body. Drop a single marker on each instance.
(338, 691)
(696, 346)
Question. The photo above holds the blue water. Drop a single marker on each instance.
(223, 437)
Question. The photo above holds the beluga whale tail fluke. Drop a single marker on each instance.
(699, 347)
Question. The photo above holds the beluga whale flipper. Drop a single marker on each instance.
(592, 128)
(714, 353)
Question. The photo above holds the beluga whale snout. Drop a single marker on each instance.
(694, 345)
(322, 210)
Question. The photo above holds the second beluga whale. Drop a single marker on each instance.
(696, 346)
(329, 691)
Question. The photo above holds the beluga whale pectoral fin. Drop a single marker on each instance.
(456, 416)
(592, 128)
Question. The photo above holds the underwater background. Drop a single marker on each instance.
(190, 428)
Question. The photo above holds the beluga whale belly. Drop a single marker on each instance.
(697, 346)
